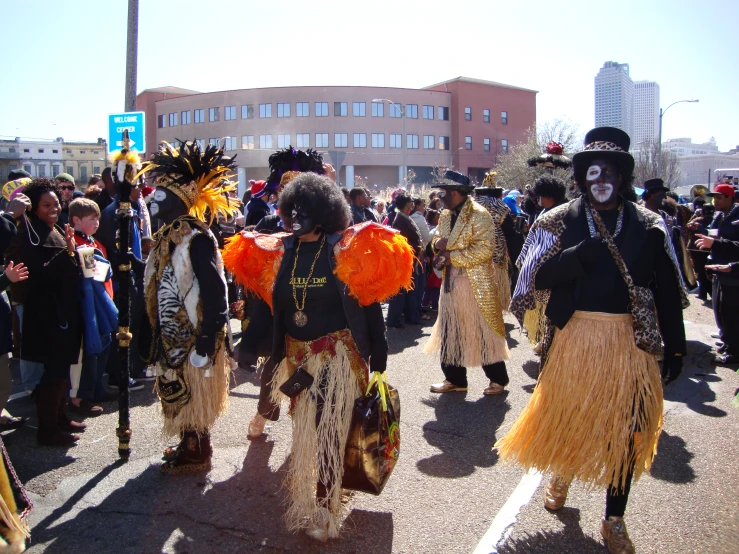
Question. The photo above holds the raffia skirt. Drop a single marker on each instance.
(596, 409)
(317, 455)
(461, 333)
(502, 285)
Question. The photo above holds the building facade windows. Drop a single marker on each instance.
(29, 169)
(247, 111)
(41, 170)
(378, 109)
(486, 116)
(321, 109)
(504, 118)
(173, 119)
(443, 143)
(468, 114)
(265, 141)
(411, 141)
(428, 142)
(443, 113)
(341, 109)
(359, 109)
(504, 145)
(265, 110)
(341, 140)
(214, 141)
(199, 116)
(302, 140)
(360, 140)
(283, 109)
(229, 113)
(395, 110)
(83, 173)
(486, 144)
(302, 109)
(200, 143)
(283, 141)
(161, 123)
(396, 141)
(428, 112)
(185, 117)
(230, 143)
(468, 143)
(214, 114)
(247, 142)
(378, 140)
(322, 140)
(57, 169)
(411, 110)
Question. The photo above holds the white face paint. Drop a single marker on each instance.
(153, 208)
(158, 196)
(593, 173)
(602, 192)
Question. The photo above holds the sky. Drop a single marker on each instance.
(65, 69)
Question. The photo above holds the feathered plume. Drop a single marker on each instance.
(290, 159)
(126, 163)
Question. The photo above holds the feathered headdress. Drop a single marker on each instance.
(126, 162)
(489, 180)
(553, 156)
(200, 178)
(286, 164)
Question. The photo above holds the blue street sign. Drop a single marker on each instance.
(134, 122)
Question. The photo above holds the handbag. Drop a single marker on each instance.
(297, 383)
(373, 444)
(641, 299)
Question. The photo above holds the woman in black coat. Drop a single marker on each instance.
(52, 324)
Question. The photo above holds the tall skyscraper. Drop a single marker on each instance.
(614, 97)
(646, 113)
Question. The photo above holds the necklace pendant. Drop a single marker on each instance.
(300, 319)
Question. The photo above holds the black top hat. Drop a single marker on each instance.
(652, 186)
(453, 180)
(608, 143)
(494, 192)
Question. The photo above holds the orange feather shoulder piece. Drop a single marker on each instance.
(254, 259)
(374, 261)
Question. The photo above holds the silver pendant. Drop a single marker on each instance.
(300, 319)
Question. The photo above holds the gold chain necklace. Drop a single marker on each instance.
(299, 317)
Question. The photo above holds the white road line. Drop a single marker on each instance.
(508, 513)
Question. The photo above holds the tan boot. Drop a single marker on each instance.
(256, 426)
(616, 536)
(493, 388)
(446, 386)
(556, 494)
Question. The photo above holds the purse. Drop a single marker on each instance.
(297, 383)
(373, 444)
(641, 299)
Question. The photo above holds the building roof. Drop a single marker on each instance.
(170, 90)
(480, 82)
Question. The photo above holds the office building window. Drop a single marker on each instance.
(321, 138)
(28, 150)
(40, 150)
(359, 109)
(443, 113)
(302, 109)
(173, 119)
(230, 113)
(29, 169)
(200, 143)
(411, 141)
(42, 170)
(486, 144)
(247, 142)
(468, 143)
(504, 118)
(265, 141)
(230, 143)
(486, 116)
(302, 140)
(283, 110)
(396, 110)
(247, 111)
(378, 109)
(428, 112)
(340, 109)
(504, 145)
(161, 121)
(199, 116)
(214, 114)
(57, 169)
(428, 142)
(265, 110)
(321, 109)
(341, 140)
(96, 169)
(378, 140)
(214, 141)
(411, 110)
(396, 141)
(70, 169)
(83, 173)
(283, 141)
(468, 114)
(185, 117)
(360, 140)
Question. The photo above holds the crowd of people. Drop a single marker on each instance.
(289, 260)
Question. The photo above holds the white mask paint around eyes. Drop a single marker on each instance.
(602, 192)
(593, 173)
(159, 195)
(153, 208)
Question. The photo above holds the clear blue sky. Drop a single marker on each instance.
(64, 65)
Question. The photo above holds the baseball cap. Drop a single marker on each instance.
(724, 189)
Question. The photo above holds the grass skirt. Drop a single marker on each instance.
(317, 454)
(502, 285)
(209, 397)
(597, 393)
(461, 332)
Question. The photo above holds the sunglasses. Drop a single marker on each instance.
(67, 187)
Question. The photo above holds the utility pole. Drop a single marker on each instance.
(132, 48)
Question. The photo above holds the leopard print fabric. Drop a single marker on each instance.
(498, 210)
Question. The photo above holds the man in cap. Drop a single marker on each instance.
(596, 412)
(469, 330)
(257, 207)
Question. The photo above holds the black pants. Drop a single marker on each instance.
(457, 374)
(699, 263)
(617, 497)
(726, 311)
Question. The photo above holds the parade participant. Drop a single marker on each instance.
(469, 330)
(596, 412)
(184, 332)
(328, 329)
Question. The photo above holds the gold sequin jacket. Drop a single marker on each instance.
(472, 246)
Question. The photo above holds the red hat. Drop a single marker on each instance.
(258, 188)
(724, 189)
(146, 191)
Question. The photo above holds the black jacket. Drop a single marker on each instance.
(256, 209)
(408, 228)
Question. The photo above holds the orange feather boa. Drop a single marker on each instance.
(254, 259)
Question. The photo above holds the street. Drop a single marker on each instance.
(448, 494)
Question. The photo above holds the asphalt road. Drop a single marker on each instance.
(446, 491)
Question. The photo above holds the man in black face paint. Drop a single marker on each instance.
(596, 412)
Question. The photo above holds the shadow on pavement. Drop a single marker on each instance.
(408, 337)
(531, 368)
(672, 462)
(464, 432)
(570, 539)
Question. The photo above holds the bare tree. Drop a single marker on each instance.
(649, 165)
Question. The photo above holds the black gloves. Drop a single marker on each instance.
(137, 264)
(672, 367)
(589, 250)
(205, 345)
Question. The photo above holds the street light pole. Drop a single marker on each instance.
(659, 146)
(403, 168)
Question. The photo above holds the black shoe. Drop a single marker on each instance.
(722, 349)
(725, 359)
